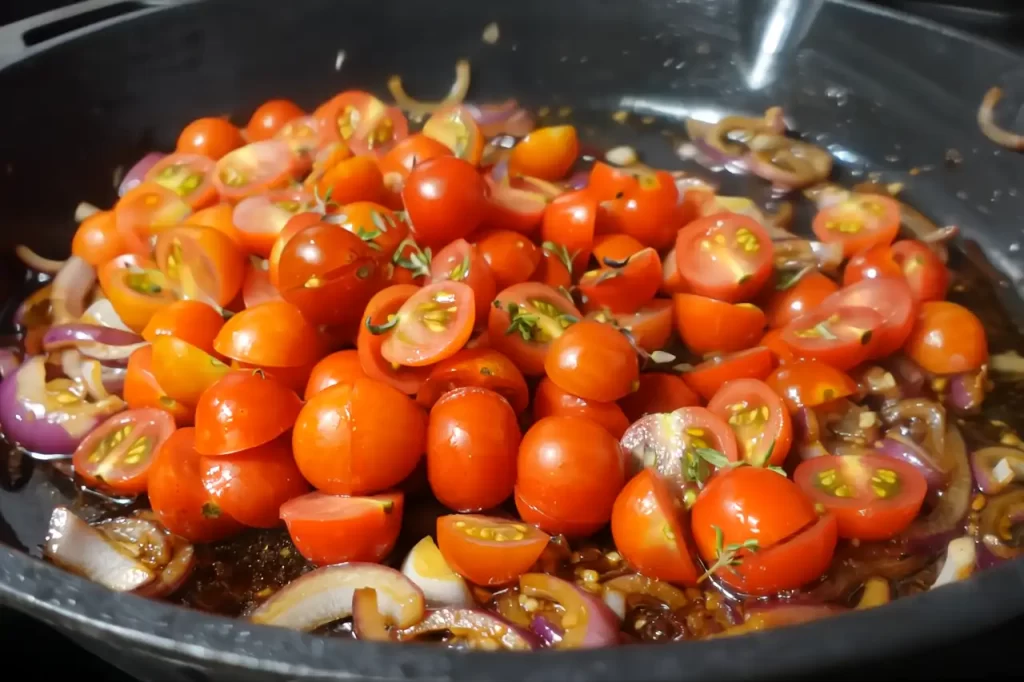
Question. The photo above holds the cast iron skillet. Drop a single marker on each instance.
(883, 92)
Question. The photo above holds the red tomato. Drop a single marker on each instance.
(183, 371)
(303, 137)
(357, 178)
(947, 339)
(517, 203)
(202, 263)
(295, 225)
(382, 309)
(456, 128)
(650, 326)
(294, 378)
(446, 199)
(570, 471)
(178, 497)
(648, 530)
(695, 430)
(254, 168)
(889, 298)
(135, 288)
(860, 222)
(211, 137)
(525, 319)
(487, 550)
(141, 389)
(551, 401)
(334, 529)
(809, 383)
(799, 561)
(569, 221)
(841, 337)
(709, 326)
(376, 225)
(260, 219)
(671, 281)
(594, 361)
(257, 288)
(97, 240)
(219, 217)
(623, 286)
(144, 212)
(546, 153)
(270, 117)
(512, 257)
(658, 392)
(472, 445)
(460, 261)
(187, 175)
(479, 367)
(872, 497)
(432, 325)
(117, 454)
(191, 321)
(359, 439)
(783, 306)
(243, 410)
(400, 160)
(273, 334)
(362, 121)
(781, 352)
(874, 263)
(924, 271)
(640, 203)
(727, 256)
(616, 247)
(759, 419)
(707, 377)
(343, 367)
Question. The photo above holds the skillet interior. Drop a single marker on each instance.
(883, 95)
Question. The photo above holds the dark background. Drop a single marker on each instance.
(985, 656)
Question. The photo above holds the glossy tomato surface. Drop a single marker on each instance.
(334, 529)
(487, 550)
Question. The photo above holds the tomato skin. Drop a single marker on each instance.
(658, 392)
(530, 355)
(890, 298)
(365, 218)
(488, 562)
(204, 263)
(384, 304)
(781, 352)
(594, 361)
(616, 247)
(923, 270)
(445, 199)
(136, 289)
(143, 212)
(178, 497)
(270, 117)
(419, 339)
(242, 410)
(184, 371)
(342, 367)
(863, 221)
(190, 176)
(643, 205)
(709, 376)
(472, 444)
(456, 128)
(726, 256)
(512, 257)
(272, 334)
(400, 160)
(788, 565)
(671, 281)
(460, 261)
(353, 179)
(874, 263)
(546, 153)
(570, 471)
(480, 367)
(332, 529)
(97, 239)
(219, 217)
(759, 419)
(103, 463)
(782, 307)
(947, 339)
(517, 203)
(623, 288)
(847, 341)
(551, 401)
(809, 383)
(212, 137)
(191, 321)
(708, 326)
(569, 220)
(141, 389)
(647, 527)
(651, 325)
(359, 439)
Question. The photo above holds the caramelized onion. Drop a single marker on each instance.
(71, 287)
(34, 261)
(953, 502)
(587, 621)
(635, 583)
(990, 129)
(418, 108)
(995, 468)
(74, 545)
(142, 537)
(787, 163)
(876, 593)
(367, 620)
(853, 565)
(797, 254)
(925, 411)
(478, 629)
(998, 526)
(900, 447)
(967, 391)
(505, 118)
(780, 615)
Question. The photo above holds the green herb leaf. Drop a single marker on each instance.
(788, 280)
(824, 332)
(767, 455)
(713, 457)
(378, 221)
(561, 252)
(779, 470)
(726, 556)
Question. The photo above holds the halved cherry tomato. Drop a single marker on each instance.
(554, 269)
(191, 321)
(551, 401)
(434, 324)
(570, 221)
(446, 199)
(809, 383)
(189, 176)
(639, 202)
(381, 310)
(254, 168)
(204, 263)
(273, 334)
(403, 157)
(872, 497)
(658, 392)
(874, 263)
(725, 256)
(242, 410)
(250, 486)
(294, 378)
(759, 419)
(342, 367)
(486, 550)
(354, 179)
(525, 319)
(144, 212)
(324, 159)
(926, 274)
(710, 326)
(841, 337)
(375, 224)
(456, 128)
(359, 439)
(480, 367)
(650, 326)
(517, 203)
(622, 286)
(472, 445)
(463, 262)
(709, 376)
(890, 298)
(570, 471)
(295, 224)
(616, 247)
(947, 339)
(671, 281)
(785, 305)
(303, 137)
(270, 117)
(97, 239)
(860, 222)
(117, 454)
(781, 352)
(256, 287)
(212, 137)
(219, 217)
(362, 121)
(183, 370)
(546, 153)
(334, 529)
(261, 218)
(135, 288)
(512, 257)
(141, 389)
(648, 530)
(594, 361)
(695, 432)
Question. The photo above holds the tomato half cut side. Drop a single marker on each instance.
(727, 256)
(840, 337)
(707, 325)
(783, 306)
(758, 417)
(858, 223)
(872, 497)
(525, 319)
(890, 298)
(709, 376)
(334, 529)
(546, 153)
(117, 454)
(260, 218)
(187, 175)
(434, 324)
(463, 262)
(487, 550)
(136, 289)
(144, 212)
(456, 129)
(809, 383)
(651, 325)
(480, 367)
(254, 168)
(203, 263)
(141, 389)
(302, 135)
(380, 311)
(362, 121)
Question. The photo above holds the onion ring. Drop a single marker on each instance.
(990, 129)
(417, 108)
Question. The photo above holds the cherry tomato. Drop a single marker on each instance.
(273, 334)
(178, 497)
(479, 367)
(924, 271)
(381, 310)
(554, 269)
(184, 371)
(758, 417)
(342, 367)
(512, 257)
(322, 160)
(332, 529)
(890, 298)
(623, 286)
(517, 203)
(304, 139)
(524, 321)
(255, 168)
(860, 222)
(445, 199)
(243, 410)
(616, 247)
(144, 212)
(211, 137)
(362, 121)
(695, 432)
(709, 326)
(456, 128)
(785, 305)
(294, 378)
(487, 550)
(191, 321)
(117, 454)
(250, 486)
(594, 361)
(671, 281)
(376, 225)
(570, 471)
(256, 286)
(460, 261)
(432, 325)
(570, 221)
(359, 439)
(97, 239)
(219, 217)
(809, 383)
(648, 532)
(872, 497)
(640, 203)
(353, 179)
(841, 337)
(141, 389)
(260, 219)
(403, 157)
(725, 256)
(546, 153)
(876, 262)
(270, 117)
(551, 401)
(657, 393)
(472, 445)
(202, 262)
(135, 288)
(709, 376)
(947, 339)
(781, 352)
(296, 224)
(188, 176)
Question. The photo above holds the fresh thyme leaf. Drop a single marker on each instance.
(788, 280)
(713, 457)
(727, 556)
(767, 455)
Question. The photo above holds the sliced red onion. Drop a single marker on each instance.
(479, 629)
(781, 615)
(786, 163)
(34, 261)
(35, 309)
(367, 621)
(923, 410)
(587, 621)
(137, 173)
(616, 601)
(504, 118)
(74, 545)
(996, 526)
(635, 583)
(101, 312)
(900, 447)
(426, 567)
(967, 391)
(909, 375)
(9, 362)
(996, 467)
(325, 595)
(71, 288)
(548, 632)
(578, 180)
(953, 503)
(76, 335)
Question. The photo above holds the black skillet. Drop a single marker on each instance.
(885, 93)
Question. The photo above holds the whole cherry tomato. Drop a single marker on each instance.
(381, 310)
(947, 339)
(785, 305)
(191, 321)
(622, 286)
(270, 117)
(212, 137)
(546, 153)
(593, 361)
(809, 383)
(725, 256)
(524, 321)
(376, 225)
(710, 326)
(342, 367)
(273, 334)
(334, 529)
(259, 220)
(117, 454)
(479, 367)
(658, 392)
(404, 156)
(445, 199)
(487, 550)
(671, 281)
(511, 257)
(781, 352)
(141, 389)
(569, 221)
(858, 223)
(219, 217)
(243, 410)
(460, 261)
(876, 262)
(357, 178)
(709, 376)
(641, 203)
(97, 239)
(551, 401)
(432, 325)
(184, 371)
(758, 417)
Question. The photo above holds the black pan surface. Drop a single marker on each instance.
(885, 93)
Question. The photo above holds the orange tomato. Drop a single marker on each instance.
(512, 257)
(671, 281)
(379, 311)
(710, 326)
(657, 393)
(203, 263)
(242, 410)
(270, 117)
(142, 390)
(615, 247)
(212, 137)
(726, 256)
(219, 217)
(594, 361)
(184, 371)
(479, 367)
(784, 306)
(546, 153)
(342, 367)
(97, 239)
(190, 176)
(191, 321)
(781, 352)
(332, 529)
(354, 179)
(947, 339)
(551, 401)
(487, 550)
(456, 129)
(273, 334)
(553, 269)
(809, 383)
(145, 212)
(135, 288)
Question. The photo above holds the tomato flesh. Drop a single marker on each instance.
(118, 453)
(758, 417)
(487, 550)
(725, 256)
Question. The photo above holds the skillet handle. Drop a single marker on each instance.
(36, 33)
